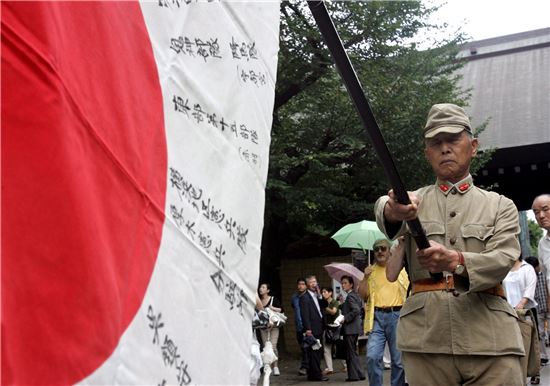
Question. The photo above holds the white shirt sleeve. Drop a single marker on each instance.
(544, 257)
(530, 282)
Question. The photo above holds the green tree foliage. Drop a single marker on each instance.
(535, 234)
(323, 171)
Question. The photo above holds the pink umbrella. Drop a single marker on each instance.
(337, 270)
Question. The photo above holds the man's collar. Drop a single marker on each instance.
(461, 186)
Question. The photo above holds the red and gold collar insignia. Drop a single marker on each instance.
(464, 187)
(444, 188)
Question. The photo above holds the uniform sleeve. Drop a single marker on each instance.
(490, 266)
(404, 282)
(392, 231)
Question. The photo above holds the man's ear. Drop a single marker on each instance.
(475, 146)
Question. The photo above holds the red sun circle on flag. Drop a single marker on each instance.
(83, 183)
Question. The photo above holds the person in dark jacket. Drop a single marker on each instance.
(301, 288)
(352, 326)
(311, 306)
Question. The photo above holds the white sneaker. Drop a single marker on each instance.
(276, 371)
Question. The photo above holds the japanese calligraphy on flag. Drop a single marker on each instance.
(135, 148)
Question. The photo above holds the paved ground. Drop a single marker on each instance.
(289, 375)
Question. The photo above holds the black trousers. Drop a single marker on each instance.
(314, 363)
(300, 338)
(352, 358)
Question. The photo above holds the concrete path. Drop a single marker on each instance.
(289, 375)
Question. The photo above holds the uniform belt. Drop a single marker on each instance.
(448, 284)
(388, 309)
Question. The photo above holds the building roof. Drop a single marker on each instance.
(509, 78)
(510, 81)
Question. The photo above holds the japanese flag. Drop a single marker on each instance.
(135, 146)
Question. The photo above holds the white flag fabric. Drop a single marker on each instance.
(135, 152)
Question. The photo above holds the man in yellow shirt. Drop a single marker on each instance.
(384, 300)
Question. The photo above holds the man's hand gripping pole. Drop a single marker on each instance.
(343, 64)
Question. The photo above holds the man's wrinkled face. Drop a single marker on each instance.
(450, 155)
(541, 209)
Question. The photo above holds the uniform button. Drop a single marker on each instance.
(452, 214)
(453, 240)
(453, 191)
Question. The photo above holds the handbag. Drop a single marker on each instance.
(277, 319)
(332, 334)
(340, 347)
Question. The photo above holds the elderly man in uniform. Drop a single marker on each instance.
(541, 209)
(459, 330)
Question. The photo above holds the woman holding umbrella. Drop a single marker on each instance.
(352, 326)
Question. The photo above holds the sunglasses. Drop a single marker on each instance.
(380, 248)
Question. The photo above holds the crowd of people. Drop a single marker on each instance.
(382, 294)
(450, 312)
(370, 306)
(316, 314)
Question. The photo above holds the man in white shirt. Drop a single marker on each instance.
(541, 208)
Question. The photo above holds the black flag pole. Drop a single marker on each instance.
(343, 64)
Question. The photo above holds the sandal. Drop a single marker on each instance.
(535, 380)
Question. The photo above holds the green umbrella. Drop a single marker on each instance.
(360, 235)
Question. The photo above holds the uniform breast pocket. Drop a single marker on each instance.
(435, 231)
(476, 236)
(496, 303)
(413, 304)
(411, 329)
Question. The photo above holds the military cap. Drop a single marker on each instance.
(446, 118)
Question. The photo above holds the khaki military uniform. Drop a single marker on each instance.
(484, 226)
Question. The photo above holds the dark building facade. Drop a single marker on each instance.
(509, 78)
